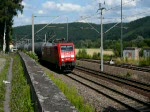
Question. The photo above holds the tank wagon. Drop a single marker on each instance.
(59, 55)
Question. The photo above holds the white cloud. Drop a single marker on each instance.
(129, 19)
(49, 5)
(69, 7)
(74, 10)
(41, 12)
(66, 7)
(23, 3)
(22, 20)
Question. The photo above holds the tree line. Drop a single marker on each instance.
(135, 34)
(8, 9)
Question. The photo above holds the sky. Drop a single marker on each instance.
(61, 11)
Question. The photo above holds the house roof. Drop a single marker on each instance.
(130, 48)
(148, 48)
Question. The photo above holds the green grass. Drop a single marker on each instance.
(20, 96)
(3, 76)
(72, 94)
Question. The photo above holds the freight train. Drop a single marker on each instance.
(60, 55)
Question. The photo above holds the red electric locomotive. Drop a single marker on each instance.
(58, 53)
(62, 55)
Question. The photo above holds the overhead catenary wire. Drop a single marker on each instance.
(92, 26)
(45, 26)
(123, 4)
(124, 17)
(42, 27)
(109, 9)
(148, 11)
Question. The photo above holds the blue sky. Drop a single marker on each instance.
(81, 11)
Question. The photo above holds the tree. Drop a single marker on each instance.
(8, 9)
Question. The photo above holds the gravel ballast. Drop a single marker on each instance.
(99, 101)
(134, 74)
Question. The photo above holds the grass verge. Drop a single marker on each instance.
(3, 76)
(72, 95)
(20, 96)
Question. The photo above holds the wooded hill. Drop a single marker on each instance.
(83, 35)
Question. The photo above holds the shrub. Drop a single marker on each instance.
(128, 75)
(83, 54)
(144, 62)
(96, 56)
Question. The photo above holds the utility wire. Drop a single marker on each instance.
(92, 26)
(41, 28)
(45, 26)
(118, 6)
(148, 11)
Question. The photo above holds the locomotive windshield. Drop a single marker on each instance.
(66, 48)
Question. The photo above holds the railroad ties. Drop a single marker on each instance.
(45, 95)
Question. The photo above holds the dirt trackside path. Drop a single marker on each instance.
(2, 63)
(8, 89)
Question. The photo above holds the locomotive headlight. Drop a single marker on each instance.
(72, 56)
(62, 56)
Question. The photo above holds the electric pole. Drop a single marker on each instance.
(67, 29)
(4, 40)
(32, 33)
(101, 9)
(121, 34)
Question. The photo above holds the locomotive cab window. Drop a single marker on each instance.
(66, 48)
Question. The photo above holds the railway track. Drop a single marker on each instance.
(142, 106)
(128, 66)
(139, 87)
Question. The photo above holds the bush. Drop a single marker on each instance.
(127, 61)
(107, 57)
(96, 56)
(83, 54)
(144, 62)
(128, 75)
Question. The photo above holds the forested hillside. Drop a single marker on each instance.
(135, 33)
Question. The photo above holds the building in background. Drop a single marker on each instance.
(146, 52)
(11, 47)
(131, 53)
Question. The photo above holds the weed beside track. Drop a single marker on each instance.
(20, 96)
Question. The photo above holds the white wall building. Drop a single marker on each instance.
(131, 53)
(146, 52)
(11, 46)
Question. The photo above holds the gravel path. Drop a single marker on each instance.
(8, 89)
